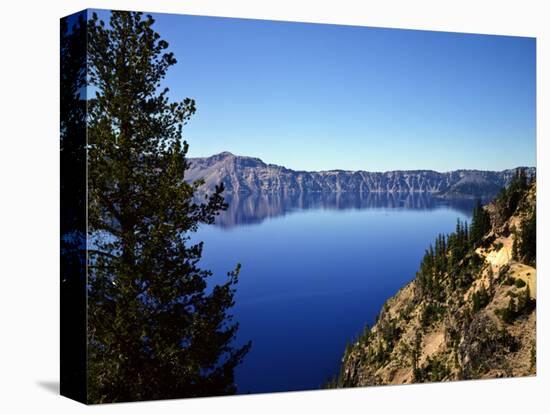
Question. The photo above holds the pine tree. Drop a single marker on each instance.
(73, 205)
(481, 223)
(156, 327)
(415, 356)
(515, 244)
(525, 303)
(511, 310)
(508, 200)
(527, 240)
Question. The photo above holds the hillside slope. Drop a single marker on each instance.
(470, 311)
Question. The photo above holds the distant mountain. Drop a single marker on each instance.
(248, 175)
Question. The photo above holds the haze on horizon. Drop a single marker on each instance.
(321, 97)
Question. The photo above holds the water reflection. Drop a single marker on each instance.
(255, 208)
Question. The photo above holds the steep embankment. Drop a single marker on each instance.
(470, 311)
(248, 175)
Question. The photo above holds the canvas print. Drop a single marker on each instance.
(252, 206)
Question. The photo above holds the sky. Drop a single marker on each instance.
(320, 97)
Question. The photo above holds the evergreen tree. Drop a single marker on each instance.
(527, 240)
(511, 310)
(480, 299)
(73, 206)
(508, 200)
(525, 303)
(156, 328)
(481, 223)
(515, 244)
(415, 356)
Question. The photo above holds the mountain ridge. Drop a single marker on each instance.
(248, 175)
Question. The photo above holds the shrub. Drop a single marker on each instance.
(525, 303)
(503, 271)
(519, 283)
(508, 314)
(482, 346)
(480, 299)
(509, 281)
(431, 312)
(435, 370)
(390, 332)
(405, 313)
(516, 308)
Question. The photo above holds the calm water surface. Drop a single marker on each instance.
(315, 269)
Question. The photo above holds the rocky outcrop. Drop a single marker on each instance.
(248, 175)
(469, 313)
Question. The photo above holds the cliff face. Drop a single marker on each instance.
(470, 311)
(247, 175)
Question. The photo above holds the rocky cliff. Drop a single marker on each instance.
(247, 175)
(469, 312)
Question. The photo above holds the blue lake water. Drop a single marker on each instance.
(315, 269)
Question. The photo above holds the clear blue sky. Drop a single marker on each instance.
(317, 97)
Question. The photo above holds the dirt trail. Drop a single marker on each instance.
(503, 256)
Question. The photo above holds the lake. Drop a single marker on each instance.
(315, 269)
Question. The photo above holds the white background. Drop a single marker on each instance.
(29, 206)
